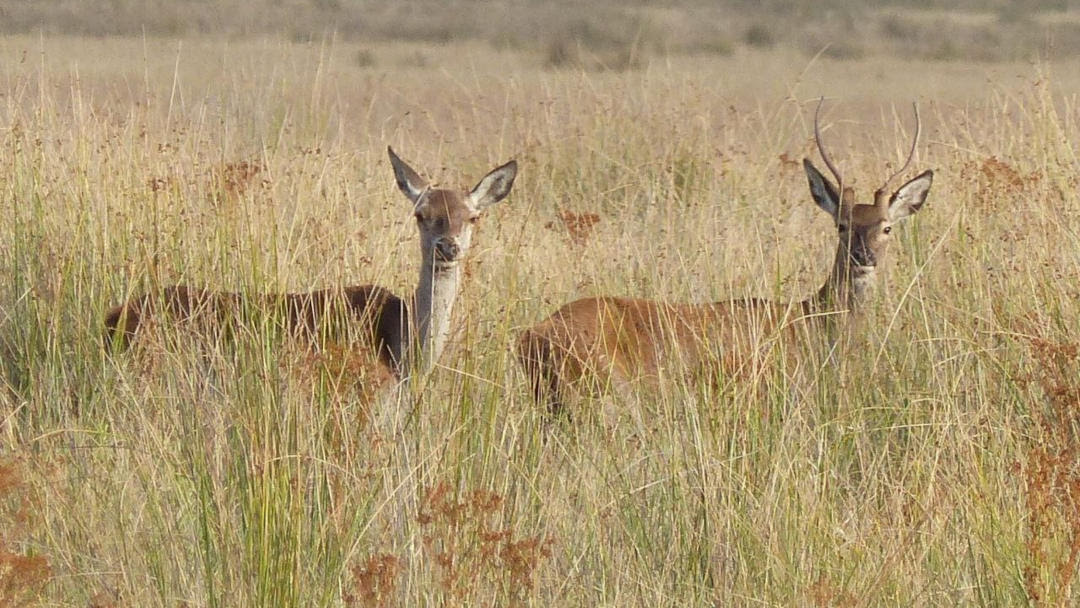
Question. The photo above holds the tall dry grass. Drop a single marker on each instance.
(924, 469)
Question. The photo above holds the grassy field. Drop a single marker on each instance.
(935, 465)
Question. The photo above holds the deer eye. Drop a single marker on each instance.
(887, 229)
(474, 219)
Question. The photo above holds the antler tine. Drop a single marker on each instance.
(821, 146)
(911, 154)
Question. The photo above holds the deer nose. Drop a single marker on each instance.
(447, 250)
(864, 257)
(862, 254)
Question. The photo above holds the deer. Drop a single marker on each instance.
(607, 341)
(404, 346)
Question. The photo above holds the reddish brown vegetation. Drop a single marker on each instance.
(826, 594)
(160, 184)
(22, 577)
(789, 163)
(374, 582)
(579, 226)
(235, 178)
(996, 181)
(1051, 474)
(468, 549)
(469, 553)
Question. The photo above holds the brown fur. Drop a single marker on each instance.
(617, 340)
(380, 315)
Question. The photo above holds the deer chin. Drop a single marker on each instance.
(442, 266)
(863, 279)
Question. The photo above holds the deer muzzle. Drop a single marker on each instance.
(447, 250)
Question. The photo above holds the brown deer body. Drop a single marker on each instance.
(404, 339)
(612, 341)
(379, 318)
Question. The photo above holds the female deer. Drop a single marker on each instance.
(377, 321)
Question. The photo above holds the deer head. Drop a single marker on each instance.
(446, 217)
(863, 230)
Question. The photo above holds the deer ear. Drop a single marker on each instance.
(910, 197)
(822, 190)
(494, 186)
(409, 182)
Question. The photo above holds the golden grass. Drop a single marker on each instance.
(922, 470)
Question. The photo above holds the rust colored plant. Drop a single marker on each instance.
(235, 178)
(374, 582)
(22, 577)
(469, 550)
(579, 226)
(1051, 475)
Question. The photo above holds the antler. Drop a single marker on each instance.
(821, 146)
(883, 190)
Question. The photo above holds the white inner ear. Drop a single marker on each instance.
(910, 197)
(417, 196)
(494, 187)
(408, 181)
(414, 192)
(475, 203)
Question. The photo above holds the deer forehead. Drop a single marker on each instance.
(451, 205)
(867, 216)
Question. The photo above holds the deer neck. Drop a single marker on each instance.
(433, 305)
(845, 291)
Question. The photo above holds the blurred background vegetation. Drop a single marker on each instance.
(612, 35)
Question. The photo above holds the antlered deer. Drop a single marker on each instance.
(611, 340)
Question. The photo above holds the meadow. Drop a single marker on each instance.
(934, 464)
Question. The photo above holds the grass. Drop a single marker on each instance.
(932, 466)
